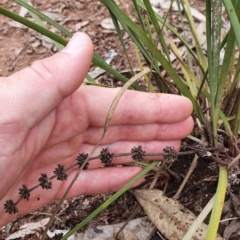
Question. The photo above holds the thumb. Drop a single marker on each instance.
(35, 91)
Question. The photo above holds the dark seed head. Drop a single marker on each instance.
(137, 153)
(81, 159)
(60, 173)
(10, 207)
(44, 181)
(106, 157)
(171, 155)
(24, 192)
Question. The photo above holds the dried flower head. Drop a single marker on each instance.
(171, 155)
(60, 173)
(106, 157)
(10, 207)
(137, 153)
(44, 181)
(81, 159)
(24, 192)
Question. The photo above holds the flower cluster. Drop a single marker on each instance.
(137, 153)
(44, 181)
(81, 159)
(10, 207)
(171, 155)
(60, 173)
(24, 192)
(106, 157)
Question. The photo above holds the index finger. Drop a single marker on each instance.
(134, 107)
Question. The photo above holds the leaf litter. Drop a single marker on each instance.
(170, 217)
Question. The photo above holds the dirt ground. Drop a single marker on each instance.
(20, 46)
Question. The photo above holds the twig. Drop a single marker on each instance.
(190, 170)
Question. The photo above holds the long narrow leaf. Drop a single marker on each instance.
(157, 27)
(102, 64)
(125, 21)
(148, 57)
(136, 8)
(233, 19)
(218, 205)
(120, 36)
(227, 65)
(201, 56)
(163, 21)
(214, 10)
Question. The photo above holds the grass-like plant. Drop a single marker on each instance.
(210, 82)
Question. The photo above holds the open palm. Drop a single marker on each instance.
(46, 120)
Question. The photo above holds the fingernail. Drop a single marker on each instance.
(75, 43)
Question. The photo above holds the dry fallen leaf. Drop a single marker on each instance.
(232, 230)
(231, 211)
(169, 216)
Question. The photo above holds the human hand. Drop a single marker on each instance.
(46, 120)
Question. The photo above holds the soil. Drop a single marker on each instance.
(20, 46)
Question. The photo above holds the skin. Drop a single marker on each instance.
(47, 118)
